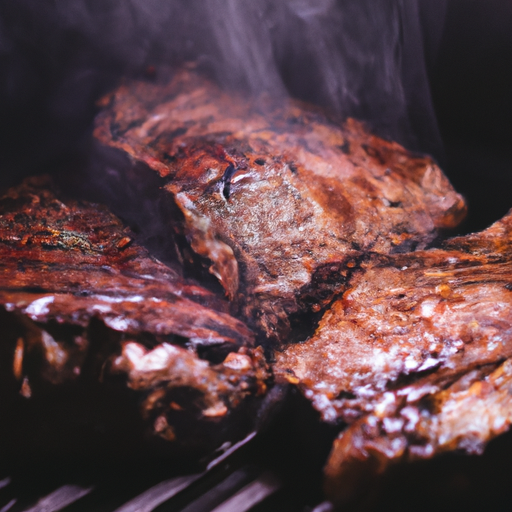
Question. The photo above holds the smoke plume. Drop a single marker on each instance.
(361, 58)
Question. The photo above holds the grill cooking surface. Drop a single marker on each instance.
(237, 480)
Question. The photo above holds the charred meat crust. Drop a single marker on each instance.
(273, 193)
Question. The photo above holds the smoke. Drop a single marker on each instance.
(361, 58)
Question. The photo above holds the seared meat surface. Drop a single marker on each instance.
(279, 200)
(414, 356)
(83, 305)
(51, 251)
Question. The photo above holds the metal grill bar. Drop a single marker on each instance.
(230, 451)
(9, 505)
(60, 498)
(251, 494)
(158, 494)
(222, 491)
(325, 506)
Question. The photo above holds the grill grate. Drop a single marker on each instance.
(235, 481)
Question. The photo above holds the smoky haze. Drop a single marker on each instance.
(345, 55)
(361, 58)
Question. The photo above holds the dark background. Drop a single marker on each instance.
(471, 83)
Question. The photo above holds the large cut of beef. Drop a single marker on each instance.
(278, 200)
(415, 356)
(99, 336)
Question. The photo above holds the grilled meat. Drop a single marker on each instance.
(83, 305)
(415, 356)
(278, 199)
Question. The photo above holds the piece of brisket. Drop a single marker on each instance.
(279, 200)
(415, 357)
(97, 335)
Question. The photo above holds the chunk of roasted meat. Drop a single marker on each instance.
(277, 198)
(415, 357)
(83, 305)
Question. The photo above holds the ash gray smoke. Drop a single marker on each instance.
(361, 58)
(357, 58)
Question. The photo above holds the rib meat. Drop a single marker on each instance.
(277, 198)
(83, 305)
(415, 357)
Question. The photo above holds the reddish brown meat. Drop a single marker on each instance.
(275, 196)
(415, 356)
(50, 251)
(83, 304)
